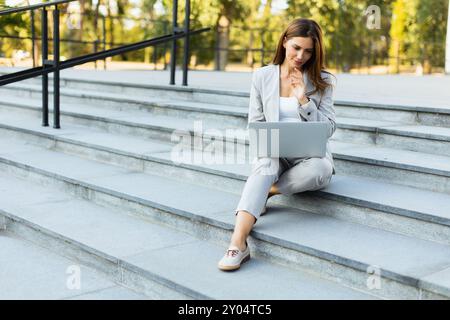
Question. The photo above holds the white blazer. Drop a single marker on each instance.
(264, 102)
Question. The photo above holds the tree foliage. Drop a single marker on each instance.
(412, 32)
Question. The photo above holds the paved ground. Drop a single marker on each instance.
(389, 89)
(28, 271)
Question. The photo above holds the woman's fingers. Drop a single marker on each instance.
(297, 80)
(296, 83)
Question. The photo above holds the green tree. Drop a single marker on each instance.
(418, 33)
(447, 47)
(347, 39)
(219, 14)
(431, 18)
(229, 12)
(402, 22)
(13, 25)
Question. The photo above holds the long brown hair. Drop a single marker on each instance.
(316, 64)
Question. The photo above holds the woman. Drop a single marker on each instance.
(294, 88)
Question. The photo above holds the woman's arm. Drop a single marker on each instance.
(255, 108)
(324, 111)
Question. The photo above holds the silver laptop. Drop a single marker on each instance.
(288, 139)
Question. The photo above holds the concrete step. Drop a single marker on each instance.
(416, 212)
(131, 122)
(176, 92)
(155, 260)
(427, 139)
(408, 114)
(31, 272)
(415, 169)
(336, 249)
(157, 105)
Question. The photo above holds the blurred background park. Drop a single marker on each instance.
(361, 36)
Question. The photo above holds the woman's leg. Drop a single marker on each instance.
(256, 190)
(305, 175)
(242, 228)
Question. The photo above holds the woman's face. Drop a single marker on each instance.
(298, 51)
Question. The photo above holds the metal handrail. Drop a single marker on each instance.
(34, 7)
(55, 66)
(69, 63)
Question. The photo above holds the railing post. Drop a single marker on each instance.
(155, 57)
(165, 44)
(263, 49)
(186, 42)
(104, 39)
(33, 37)
(173, 56)
(44, 23)
(95, 50)
(56, 120)
(216, 49)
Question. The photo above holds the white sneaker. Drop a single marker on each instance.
(233, 258)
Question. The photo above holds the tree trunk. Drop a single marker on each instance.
(111, 25)
(97, 16)
(223, 43)
(250, 56)
(36, 52)
(253, 21)
(447, 47)
(82, 12)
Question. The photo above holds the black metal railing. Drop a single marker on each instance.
(55, 66)
(34, 7)
(100, 41)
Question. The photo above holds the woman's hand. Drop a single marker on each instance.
(298, 86)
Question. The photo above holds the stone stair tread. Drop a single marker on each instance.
(184, 104)
(410, 160)
(429, 205)
(142, 117)
(137, 79)
(403, 257)
(382, 126)
(415, 202)
(432, 163)
(365, 124)
(433, 206)
(435, 164)
(29, 271)
(195, 262)
(426, 132)
(135, 117)
(113, 293)
(161, 251)
(83, 135)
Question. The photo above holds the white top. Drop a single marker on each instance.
(288, 109)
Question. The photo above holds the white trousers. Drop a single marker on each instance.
(290, 175)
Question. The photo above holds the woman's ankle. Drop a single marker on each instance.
(240, 244)
(273, 191)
